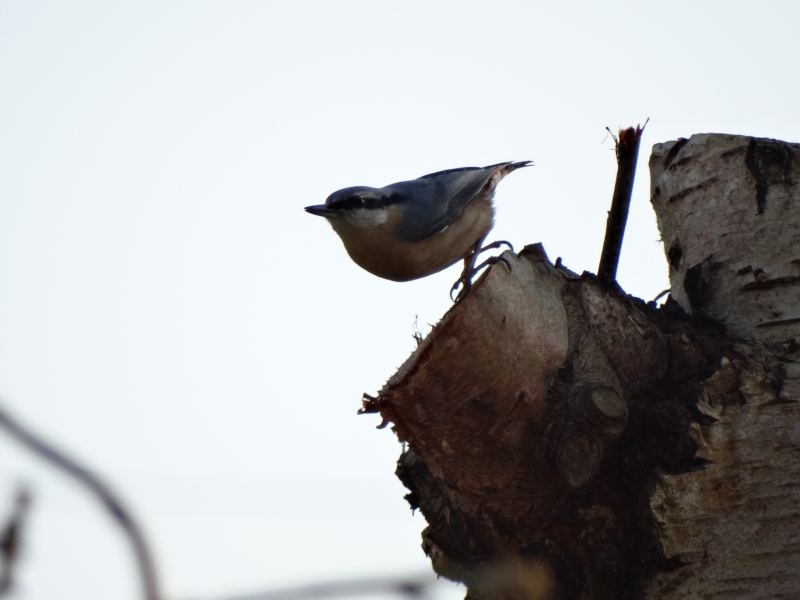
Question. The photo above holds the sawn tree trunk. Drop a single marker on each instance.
(566, 440)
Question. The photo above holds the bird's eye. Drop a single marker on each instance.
(352, 202)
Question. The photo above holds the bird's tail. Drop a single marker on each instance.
(500, 170)
(508, 167)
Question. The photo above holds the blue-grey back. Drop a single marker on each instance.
(434, 201)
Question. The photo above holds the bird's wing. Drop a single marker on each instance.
(433, 202)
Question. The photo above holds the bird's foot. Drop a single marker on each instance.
(465, 281)
(492, 260)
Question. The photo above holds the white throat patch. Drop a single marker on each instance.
(367, 217)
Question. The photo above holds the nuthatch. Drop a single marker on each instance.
(412, 229)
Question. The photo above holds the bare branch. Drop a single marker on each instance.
(100, 489)
(410, 587)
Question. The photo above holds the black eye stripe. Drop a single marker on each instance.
(356, 201)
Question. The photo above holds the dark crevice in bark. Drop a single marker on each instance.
(770, 163)
(673, 152)
(447, 529)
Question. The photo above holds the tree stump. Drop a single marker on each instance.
(566, 440)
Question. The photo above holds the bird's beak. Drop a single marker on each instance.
(321, 210)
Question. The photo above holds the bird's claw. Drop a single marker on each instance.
(459, 282)
(466, 278)
(495, 246)
(492, 260)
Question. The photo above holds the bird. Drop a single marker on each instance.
(412, 229)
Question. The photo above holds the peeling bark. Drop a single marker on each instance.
(735, 525)
(566, 440)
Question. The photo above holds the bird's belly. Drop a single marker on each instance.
(397, 260)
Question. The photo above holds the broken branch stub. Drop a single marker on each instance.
(627, 149)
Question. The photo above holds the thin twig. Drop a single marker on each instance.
(101, 490)
(411, 587)
(11, 539)
(627, 146)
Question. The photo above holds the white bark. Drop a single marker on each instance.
(736, 523)
(729, 213)
(731, 205)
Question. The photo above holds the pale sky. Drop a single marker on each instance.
(170, 314)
